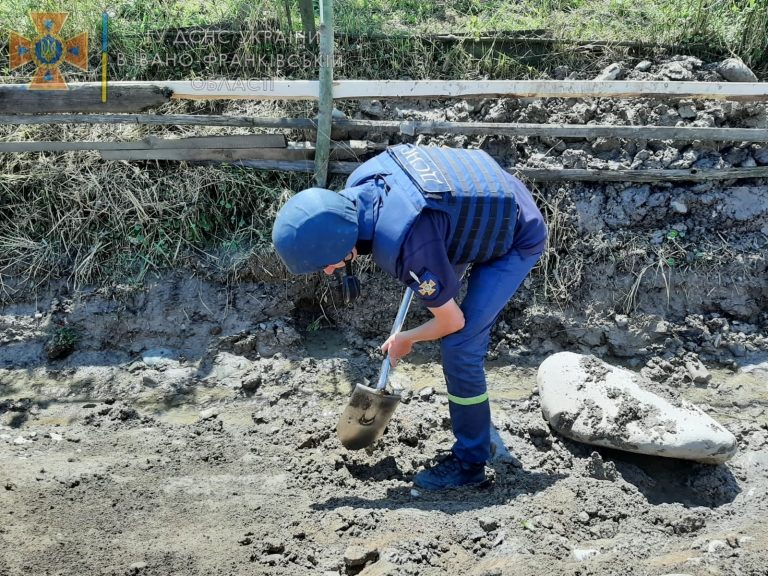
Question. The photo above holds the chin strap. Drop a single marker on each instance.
(349, 284)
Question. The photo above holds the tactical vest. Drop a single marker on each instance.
(468, 185)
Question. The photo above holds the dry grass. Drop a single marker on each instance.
(561, 265)
(76, 216)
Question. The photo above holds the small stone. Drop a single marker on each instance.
(415, 493)
(644, 66)
(272, 559)
(734, 70)
(499, 540)
(733, 540)
(160, 358)
(606, 145)
(209, 413)
(426, 393)
(676, 71)
(489, 524)
(760, 154)
(20, 440)
(601, 470)
(715, 545)
(273, 546)
(149, 382)
(372, 108)
(137, 567)
(679, 207)
(743, 540)
(737, 349)
(584, 554)
(687, 111)
(698, 372)
(261, 417)
(583, 517)
(356, 556)
(561, 72)
(610, 72)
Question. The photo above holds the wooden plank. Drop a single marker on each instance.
(691, 175)
(549, 89)
(552, 175)
(355, 89)
(191, 154)
(343, 150)
(349, 149)
(82, 97)
(307, 166)
(681, 133)
(245, 141)
(163, 120)
(152, 142)
(69, 146)
(299, 151)
(325, 105)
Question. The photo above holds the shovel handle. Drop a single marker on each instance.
(386, 365)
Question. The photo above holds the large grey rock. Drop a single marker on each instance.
(734, 70)
(587, 400)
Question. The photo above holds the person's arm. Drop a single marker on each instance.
(447, 319)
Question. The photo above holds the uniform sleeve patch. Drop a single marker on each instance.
(426, 285)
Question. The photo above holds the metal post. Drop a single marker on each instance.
(324, 118)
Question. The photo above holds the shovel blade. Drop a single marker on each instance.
(365, 417)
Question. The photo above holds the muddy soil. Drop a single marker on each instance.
(187, 426)
(192, 431)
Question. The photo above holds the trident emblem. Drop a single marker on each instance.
(48, 50)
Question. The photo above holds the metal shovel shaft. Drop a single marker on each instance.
(386, 365)
(369, 409)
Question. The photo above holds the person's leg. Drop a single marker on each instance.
(491, 285)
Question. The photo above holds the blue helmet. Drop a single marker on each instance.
(314, 229)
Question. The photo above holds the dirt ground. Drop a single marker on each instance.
(157, 447)
(187, 426)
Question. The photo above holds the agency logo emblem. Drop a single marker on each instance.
(427, 288)
(48, 50)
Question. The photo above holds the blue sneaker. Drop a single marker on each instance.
(450, 473)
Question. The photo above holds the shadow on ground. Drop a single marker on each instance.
(509, 483)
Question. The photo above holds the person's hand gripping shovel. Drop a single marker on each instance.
(370, 409)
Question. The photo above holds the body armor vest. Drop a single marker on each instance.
(468, 185)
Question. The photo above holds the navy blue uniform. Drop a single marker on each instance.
(427, 212)
(491, 285)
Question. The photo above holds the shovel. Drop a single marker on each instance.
(369, 410)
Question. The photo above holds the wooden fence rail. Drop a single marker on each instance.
(556, 174)
(411, 127)
(139, 96)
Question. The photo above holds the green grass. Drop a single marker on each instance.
(728, 26)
